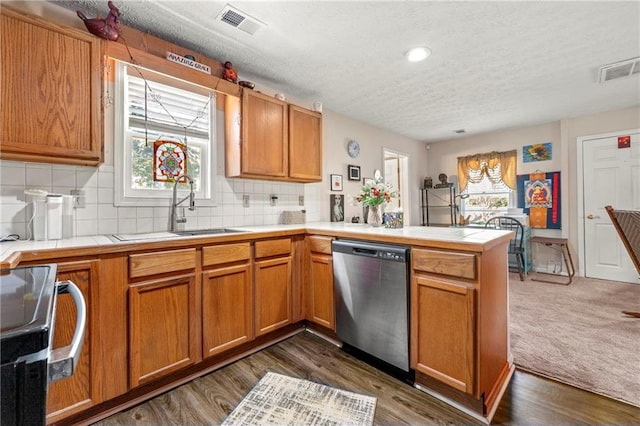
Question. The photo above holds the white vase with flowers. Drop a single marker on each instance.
(375, 195)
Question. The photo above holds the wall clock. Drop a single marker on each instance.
(353, 148)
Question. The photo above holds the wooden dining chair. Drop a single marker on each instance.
(516, 245)
(627, 223)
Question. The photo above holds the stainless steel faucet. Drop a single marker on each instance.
(174, 204)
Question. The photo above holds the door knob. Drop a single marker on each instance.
(592, 216)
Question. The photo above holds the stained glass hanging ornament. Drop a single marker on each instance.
(169, 160)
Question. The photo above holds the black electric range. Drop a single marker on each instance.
(27, 316)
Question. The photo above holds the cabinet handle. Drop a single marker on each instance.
(592, 216)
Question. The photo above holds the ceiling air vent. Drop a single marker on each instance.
(620, 69)
(240, 20)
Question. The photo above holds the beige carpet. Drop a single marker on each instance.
(577, 334)
(283, 400)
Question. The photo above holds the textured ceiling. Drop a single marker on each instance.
(494, 65)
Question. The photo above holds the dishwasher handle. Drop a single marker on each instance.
(63, 361)
(364, 252)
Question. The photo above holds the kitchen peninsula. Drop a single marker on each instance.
(222, 297)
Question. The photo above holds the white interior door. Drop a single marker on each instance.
(611, 176)
(396, 172)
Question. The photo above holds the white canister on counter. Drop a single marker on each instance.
(54, 216)
(68, 202)
(39, 217)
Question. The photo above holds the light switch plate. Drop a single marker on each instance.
(245, 200)
(79, 199)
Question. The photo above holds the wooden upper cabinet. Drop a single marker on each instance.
(264, 135)
(266, 138)
(51, 92)
(305, 144)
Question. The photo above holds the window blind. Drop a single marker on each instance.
(168, 109)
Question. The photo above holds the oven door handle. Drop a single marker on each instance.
(63, 361)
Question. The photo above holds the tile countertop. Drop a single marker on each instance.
(470, 238)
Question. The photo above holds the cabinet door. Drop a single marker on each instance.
(81, 390)
(321, 287)
(51, 92)
(444, 331)
(305, 144)
(272, 294)
(226, 308)
(162, 327)
(264, 136)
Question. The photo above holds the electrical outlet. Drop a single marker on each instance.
(79, 199)
(274, 199)
(245, 200)
(301, 200)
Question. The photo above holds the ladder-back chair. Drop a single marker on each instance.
(516, 245)
(627, 223)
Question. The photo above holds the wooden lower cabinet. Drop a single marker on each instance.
(162, 328)
(320, 299)
(445, 329)
(82, 389)
(163, 314)
(272, 285)
(227, 299)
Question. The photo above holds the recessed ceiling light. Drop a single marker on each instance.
(417, 54)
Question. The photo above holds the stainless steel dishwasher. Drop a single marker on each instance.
(372, 299)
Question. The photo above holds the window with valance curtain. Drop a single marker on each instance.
(495, 166)
(489, 180)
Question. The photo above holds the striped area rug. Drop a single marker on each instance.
(283, 400)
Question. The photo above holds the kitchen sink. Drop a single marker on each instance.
(212, 231)
(177, 234)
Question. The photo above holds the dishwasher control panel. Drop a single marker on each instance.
(390, 255)
(395, 253)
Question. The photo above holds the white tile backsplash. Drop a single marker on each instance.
(13, 173)
(38, 177)
(63, 177)
(100, 216)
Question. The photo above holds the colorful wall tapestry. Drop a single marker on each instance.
(539, 195)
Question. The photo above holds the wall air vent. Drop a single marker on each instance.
(240, 20)
(620, 69)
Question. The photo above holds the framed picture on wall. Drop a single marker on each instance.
(336, 205)
(354, 172)
(336, 182)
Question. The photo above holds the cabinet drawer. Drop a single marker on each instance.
(141, 265)
(269, 248)
(318, 244)
(459, 265)
(226, 253)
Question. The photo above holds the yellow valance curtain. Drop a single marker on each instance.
(497, 166)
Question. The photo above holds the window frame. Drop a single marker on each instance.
(123, 137)
(511, 196)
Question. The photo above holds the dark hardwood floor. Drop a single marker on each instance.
(529, 400)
